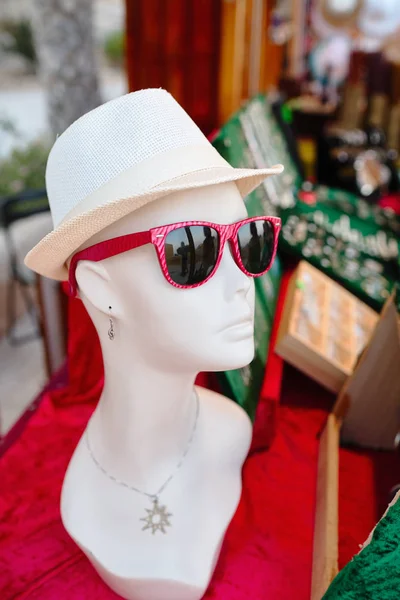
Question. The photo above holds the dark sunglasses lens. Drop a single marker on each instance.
(256, 245)
(191, 253)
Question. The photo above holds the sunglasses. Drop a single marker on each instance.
(190, 253)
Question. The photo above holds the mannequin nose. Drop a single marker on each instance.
(235, 281)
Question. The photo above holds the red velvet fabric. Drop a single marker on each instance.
(267, 551)
(265, 424)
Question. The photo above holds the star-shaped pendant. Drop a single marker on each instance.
(157, 518)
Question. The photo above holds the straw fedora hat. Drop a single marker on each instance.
(117, 158)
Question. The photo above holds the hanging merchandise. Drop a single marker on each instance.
(329, 61)
(251, 137)
(379, 18)
(346, 159)
(339, 14)
(231, 143)
(266, 140)
(281, 25)
(357, 157)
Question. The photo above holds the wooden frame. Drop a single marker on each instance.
(309, 350)
(325, 550)
(53, 309)
(232, 57)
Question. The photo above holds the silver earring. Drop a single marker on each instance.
(111, 333)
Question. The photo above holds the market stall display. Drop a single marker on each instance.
(344, 237)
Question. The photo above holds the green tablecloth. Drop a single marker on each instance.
(374, 573)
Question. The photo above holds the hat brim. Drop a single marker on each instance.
(50, 255)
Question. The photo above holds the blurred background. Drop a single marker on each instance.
(311, 84)
(325, 75)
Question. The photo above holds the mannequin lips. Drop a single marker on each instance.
(241, 324)
(240, 330)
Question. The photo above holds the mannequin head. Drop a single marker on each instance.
(183, 330)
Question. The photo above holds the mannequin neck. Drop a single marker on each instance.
(144, 418)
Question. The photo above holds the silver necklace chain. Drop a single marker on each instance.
(155, 496)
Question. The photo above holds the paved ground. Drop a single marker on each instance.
(22, 376)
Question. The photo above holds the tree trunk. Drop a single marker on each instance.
(64, 39)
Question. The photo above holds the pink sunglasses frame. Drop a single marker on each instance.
(157, 236)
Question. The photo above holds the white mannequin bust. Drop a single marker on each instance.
(163, 337)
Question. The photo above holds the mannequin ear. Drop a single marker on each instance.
(94, 284)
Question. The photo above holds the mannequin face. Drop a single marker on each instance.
(186, 330)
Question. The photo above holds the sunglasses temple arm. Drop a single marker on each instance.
(104, 250)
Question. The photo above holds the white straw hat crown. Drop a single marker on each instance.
(112, 138)
(118, 157)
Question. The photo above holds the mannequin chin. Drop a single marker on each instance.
(163, 336)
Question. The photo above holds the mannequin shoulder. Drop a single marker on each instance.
(225, 421)
(223, 408)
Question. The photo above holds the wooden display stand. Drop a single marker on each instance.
(367, 412)
(325, 551)
(53, 309)
(324, 327)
